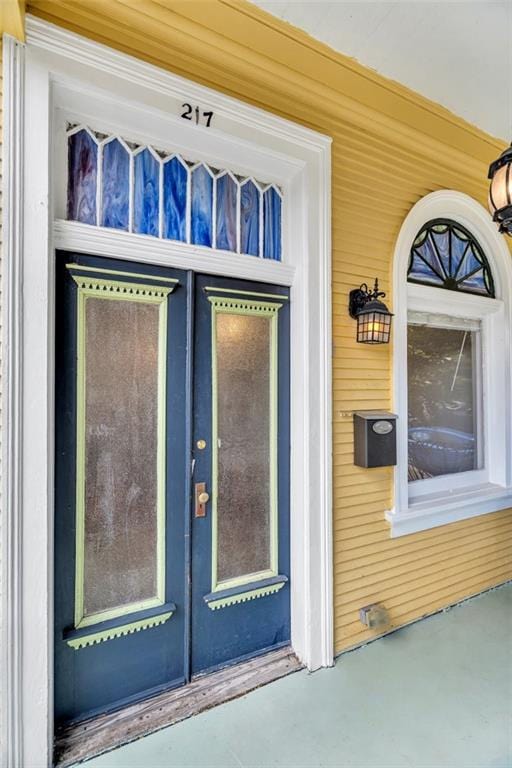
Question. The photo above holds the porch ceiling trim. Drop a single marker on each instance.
(280, 62)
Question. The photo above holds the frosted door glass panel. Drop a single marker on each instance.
(442, 434)
(243, 414)
(121, 416)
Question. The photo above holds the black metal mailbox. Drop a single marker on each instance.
(374, 439)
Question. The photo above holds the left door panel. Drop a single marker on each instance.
(121, 483)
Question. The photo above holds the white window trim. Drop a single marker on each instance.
(53, 56)
(491, 490)
(489, 313)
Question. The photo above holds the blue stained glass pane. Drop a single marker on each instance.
(469, 264)
(421, 271)
(472, 282)
(250, 219)
(146, 194)
(442, 242)
(226, 213)
(116, 175)
(272, 225)
(175, 200)
(459, 248)
(82, 177)
(202, 204)
(429, 253)
(475, 283)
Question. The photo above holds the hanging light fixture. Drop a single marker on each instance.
(372, 315)
(500, 190)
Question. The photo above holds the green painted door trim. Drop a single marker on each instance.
(244, 596)
(236, 292)
(241, 594)
(79, 268)
(255, 308)
(122, 630)
(118, 290)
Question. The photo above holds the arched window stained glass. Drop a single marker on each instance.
(446, 255)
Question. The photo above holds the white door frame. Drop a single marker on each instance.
(58, 62)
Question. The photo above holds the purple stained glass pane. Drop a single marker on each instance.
(272, 225)
(250, 219)
(146, 194)
(202, 205)
(226, 213)
(116, 175)
(82, 177)
(175, 200)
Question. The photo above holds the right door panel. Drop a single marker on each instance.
(240, 547)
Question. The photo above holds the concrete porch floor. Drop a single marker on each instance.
(436, 694)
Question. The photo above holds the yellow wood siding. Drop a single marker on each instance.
(390, 147)
(12, 18)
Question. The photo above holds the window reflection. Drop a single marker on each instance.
(442, 393)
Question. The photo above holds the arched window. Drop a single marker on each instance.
(445, 254)
(452, 365)
(444, 354)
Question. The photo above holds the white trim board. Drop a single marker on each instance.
(60, 63)
(85, 238)
(488, 491)
(11, 585)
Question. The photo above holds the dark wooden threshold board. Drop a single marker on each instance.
(105, 732)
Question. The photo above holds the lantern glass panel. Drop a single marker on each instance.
(501, 188)
(373, 327)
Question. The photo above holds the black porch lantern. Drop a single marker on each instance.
(372, 315)
(500, 190)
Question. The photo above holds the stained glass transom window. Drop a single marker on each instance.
(116, 183)
(446, 255)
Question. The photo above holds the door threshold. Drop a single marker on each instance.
(90, 738)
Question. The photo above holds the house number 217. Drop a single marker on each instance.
(197, 115)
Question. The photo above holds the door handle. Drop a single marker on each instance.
(202, 497)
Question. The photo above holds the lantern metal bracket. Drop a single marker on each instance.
(503, 159)
(359, 297)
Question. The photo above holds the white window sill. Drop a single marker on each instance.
(441, 509)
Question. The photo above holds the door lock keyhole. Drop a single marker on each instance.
(202, 497)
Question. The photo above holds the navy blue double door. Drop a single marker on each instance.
(172, 478)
